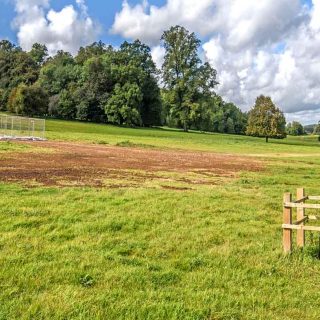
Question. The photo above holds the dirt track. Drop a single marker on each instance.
(89, 165)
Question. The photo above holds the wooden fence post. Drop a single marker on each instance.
(300, 216)
(287, 219)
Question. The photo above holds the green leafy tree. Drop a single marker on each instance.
(105, 72)
(295, 129)
(95, 87)
(124, 104)
(266, 120)
(63, 105)
(39, 53)
(230, 126)
(16, 67)
(30, 100)
(58, 73)
(134, 64)
(183, 73)
(213, 114)
(96, 49)
(120, 86)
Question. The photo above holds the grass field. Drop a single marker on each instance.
(168, 138)
(208, 250)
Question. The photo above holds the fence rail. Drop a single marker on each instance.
(301, 218)
(13, 127)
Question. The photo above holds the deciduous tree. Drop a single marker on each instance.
(295, 129)
(266, 120)
(124, 104)
(183, 74)
(30, 100)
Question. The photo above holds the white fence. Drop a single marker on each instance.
(12, 127)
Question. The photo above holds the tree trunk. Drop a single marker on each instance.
(267, 139)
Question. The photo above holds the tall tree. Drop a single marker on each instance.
(95, 87)
(183, 73)
(266, 120)
(137, 66)
(16, 67)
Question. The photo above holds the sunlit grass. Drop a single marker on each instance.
(167, 138)
(207, 252)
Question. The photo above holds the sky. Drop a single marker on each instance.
(258, 47)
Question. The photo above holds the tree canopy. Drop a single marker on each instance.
(123, 86)
(266, 120)
(189, 82)
(295, 128)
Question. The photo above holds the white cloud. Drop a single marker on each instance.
(148, 22)
(67, 29)
(158, 53)
(258, 47)
(291, 76)
(241, 21)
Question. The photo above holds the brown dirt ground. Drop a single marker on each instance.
(79, 164)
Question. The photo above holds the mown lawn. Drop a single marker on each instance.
(212, 252)
(169, 138)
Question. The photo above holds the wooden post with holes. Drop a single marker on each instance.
(300, 217)
(287, 219)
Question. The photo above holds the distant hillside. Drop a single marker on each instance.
(309, 128)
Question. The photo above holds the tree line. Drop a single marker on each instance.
(124, 87)
(119, 86)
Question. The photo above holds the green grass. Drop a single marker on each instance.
(213, 252)
(167, 138)
(7, 146)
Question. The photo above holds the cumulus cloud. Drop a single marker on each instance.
(147, 22)
(291, 75)
(234, 19)
(67, 29)
(258, 47)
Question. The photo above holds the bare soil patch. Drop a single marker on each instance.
(80, 164)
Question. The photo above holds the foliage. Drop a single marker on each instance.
(295, 129)
(62, 105)
(266, 120)
(16, 67)
(121, 86)
(29, 100)
(94, 50)
(188, 81)
(58, 73)
(123, 106)
(140, 69)
(39, 53)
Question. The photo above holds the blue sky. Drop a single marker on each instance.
(257, 46)
(102, 11)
